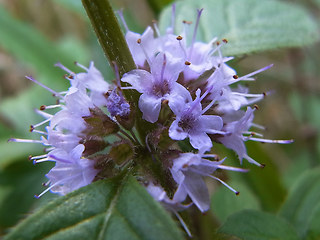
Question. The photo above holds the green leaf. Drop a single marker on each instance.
(253, 225)
(302, 201)
(249, 25)
(265, 183)
(108, 209)
(73, 5)
(30, 46)
(313, 232)
(224, 202)
(19, 182)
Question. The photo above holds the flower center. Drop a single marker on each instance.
(161, 88)
(187, 122)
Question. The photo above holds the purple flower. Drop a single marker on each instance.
(188, 171)
(70, 172)
(190, 122)
(117, 105)
(157, 86)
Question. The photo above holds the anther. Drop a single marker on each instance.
(264, 94)
(179, 38)
(225, 40)
(187, 22)
(42, 107)
(262, 165)
(31, 128)
(187, 63)
(235, 76)
(237, 193)
(139, 41)
(218, 43)
(256, 106)
(185, 165)
(30, 157)
(165, 102)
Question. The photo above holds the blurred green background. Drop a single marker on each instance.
(36, 34)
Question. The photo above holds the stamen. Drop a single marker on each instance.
(215, 156)
(44, 107)
(144, 51)
(233, 168)
(42, 160)
(163, 67)
(83, 67)
(251, 160)
(253, 133)
(225, 184)
(37, 157)
(258, 126)
(217, 49)
(195, 32)
(247, 77)
(156, 28)
(40, 123)
(44, 114)
(120, 13)
(182, 48)
(44, 86)
(173, 17)
(184, 225)
(37, 131)
(116, 71)
(59, 65)
(270, 140)
(49, 188)
(20, 140)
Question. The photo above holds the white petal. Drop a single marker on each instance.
(197, 190)
(176, 132)
(150, 107)
(199, 140)
(140, 80)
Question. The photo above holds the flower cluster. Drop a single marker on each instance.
(190, 99)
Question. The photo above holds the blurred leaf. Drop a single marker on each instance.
(299, 164)
(73, 5)
(157, 5)
(249, 25)
(15, 152)
(253, 225)
(313, 232)
(264, 183)
(30, 46)
(111, 209)
(224, 202)
(302, 201)
(19, 182)
(80, 52)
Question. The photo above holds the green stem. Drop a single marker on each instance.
(109, 34)
(115, 47)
